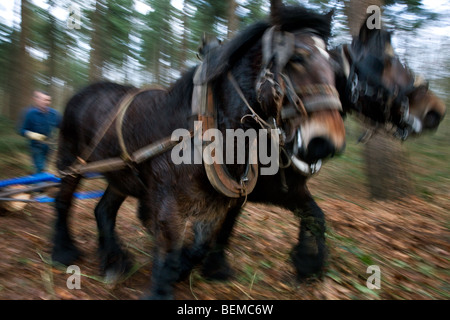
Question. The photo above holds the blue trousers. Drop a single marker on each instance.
(39, 153)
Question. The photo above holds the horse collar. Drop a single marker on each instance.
(218, 174)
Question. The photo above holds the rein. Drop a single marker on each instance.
(254, 115)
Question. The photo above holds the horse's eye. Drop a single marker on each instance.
(298, 58)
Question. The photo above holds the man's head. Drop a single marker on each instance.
(41, 100)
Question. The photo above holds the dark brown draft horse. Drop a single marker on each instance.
(372, 82)
(278, 76)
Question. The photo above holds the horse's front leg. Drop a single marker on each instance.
(166, 223)
(216, 266)
(193, 255)
(309, 255)
(210, 240)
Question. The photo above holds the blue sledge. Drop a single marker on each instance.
(40, 181)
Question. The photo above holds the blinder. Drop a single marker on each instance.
(364, 81)
(277, 49)
(278, 46)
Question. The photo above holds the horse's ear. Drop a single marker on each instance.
(364, 31)
(208, 44)
(329, 16)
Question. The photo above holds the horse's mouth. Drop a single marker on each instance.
(305, 168)
(298, 156)
(412, 126)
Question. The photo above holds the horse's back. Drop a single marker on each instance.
(90, 120)
(94, 99)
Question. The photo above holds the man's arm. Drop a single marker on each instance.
(26, 132)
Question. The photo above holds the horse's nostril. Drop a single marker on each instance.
(319, 148)
(432, 120)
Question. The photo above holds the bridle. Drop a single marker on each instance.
(277, 47)
(407, 122)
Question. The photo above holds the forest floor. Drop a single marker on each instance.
(408, 239)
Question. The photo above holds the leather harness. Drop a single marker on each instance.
(218, 175)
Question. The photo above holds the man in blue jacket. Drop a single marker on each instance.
(37, 125)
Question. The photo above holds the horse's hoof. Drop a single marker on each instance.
(308, 266)
(223, 273)
(186, 264)
(220, 275)
(216, 267)
(184, 274)
(116, 271)
(65, 256)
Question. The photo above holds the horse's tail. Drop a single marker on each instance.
(68, 134)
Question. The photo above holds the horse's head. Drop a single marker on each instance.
(368, 75)
(413, 108)
(285, 73)
(297, 87)
(372, 80)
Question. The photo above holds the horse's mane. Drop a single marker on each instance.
(375, 38)
(293, 18)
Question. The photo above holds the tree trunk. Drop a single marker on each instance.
(385, 159)
(52, 59)
(233, 22)
(22, 74)
(386, 168)
(185, 41)
(96, 57)
(356, 12)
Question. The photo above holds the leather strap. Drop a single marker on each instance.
(218, 175)
(123, 107)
